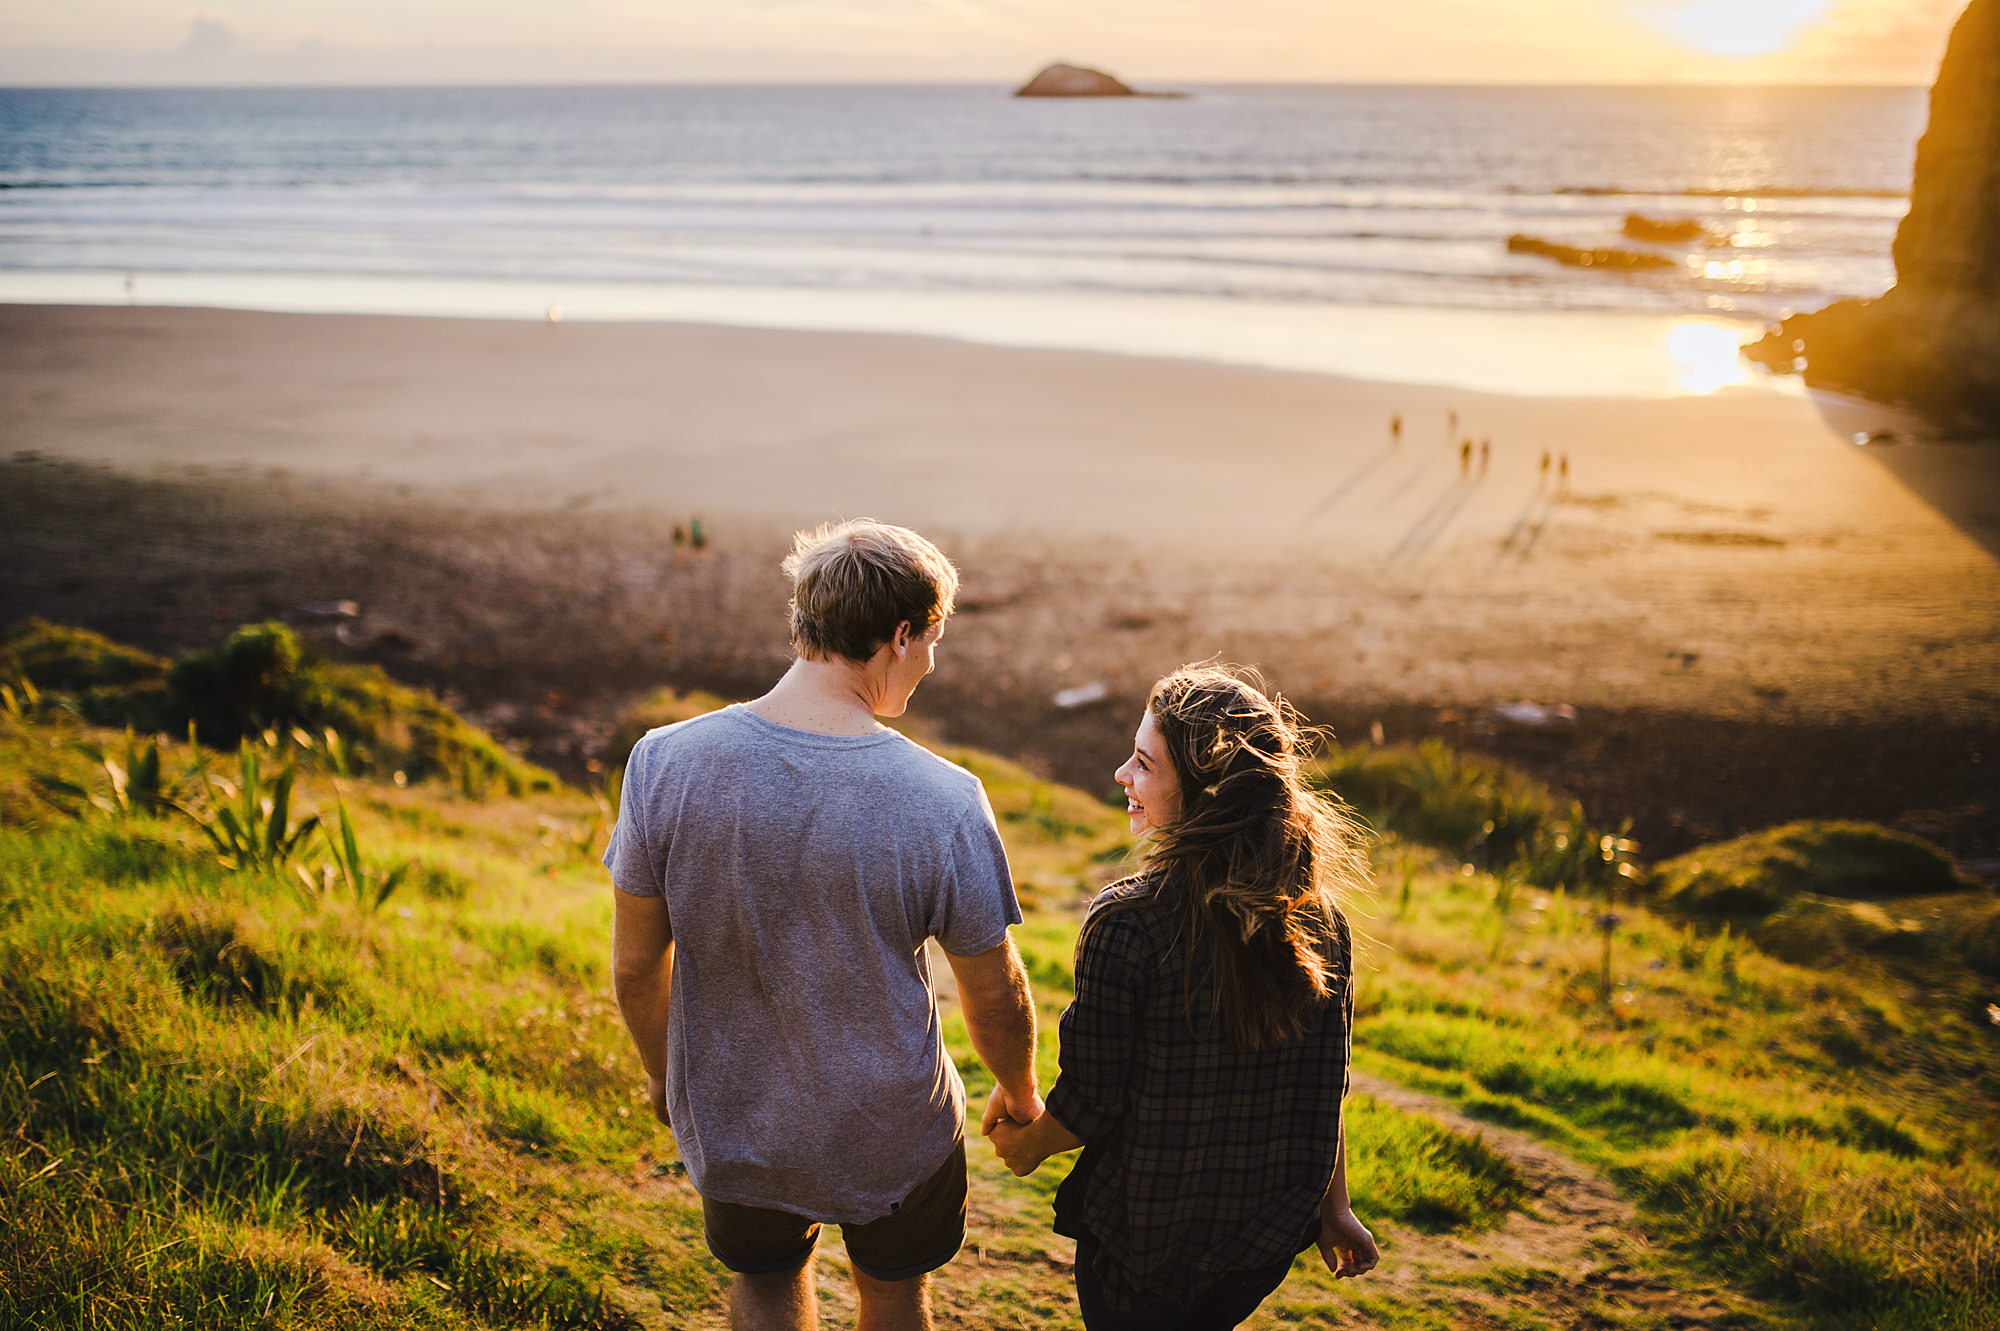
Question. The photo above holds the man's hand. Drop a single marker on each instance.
(656, 1094)
(1001, 1105)
(1346, 1245)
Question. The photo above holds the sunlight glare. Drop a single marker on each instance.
(1706, 356)
(1738, 29)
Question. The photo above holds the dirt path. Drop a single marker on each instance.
(1576, 1256)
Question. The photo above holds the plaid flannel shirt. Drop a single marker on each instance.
(1200, 1158)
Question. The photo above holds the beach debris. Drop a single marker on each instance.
(554, 315)
(1526, 713)
(1082, 695)
(329, 609)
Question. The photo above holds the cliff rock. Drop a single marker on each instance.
(1072, 81)
(1932, 341)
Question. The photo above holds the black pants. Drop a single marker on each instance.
(1222, 1308)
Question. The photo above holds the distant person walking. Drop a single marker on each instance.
(697, 534)
(780, 865)
(1451, 417)
(1562, 476)
(1396, 428)
(1465, 458)
(1545, 464)
(1204, 1059)
(1485, 455)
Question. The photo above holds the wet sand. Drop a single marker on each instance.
(499, 498)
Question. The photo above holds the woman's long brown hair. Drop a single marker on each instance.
(1253, 869)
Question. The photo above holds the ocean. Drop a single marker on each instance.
(1237, 222)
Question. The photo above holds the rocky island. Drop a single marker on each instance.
(1932, 341)
(1060, 80)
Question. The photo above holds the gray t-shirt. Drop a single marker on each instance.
(806, 1068)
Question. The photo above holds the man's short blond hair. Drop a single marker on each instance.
(854, 582)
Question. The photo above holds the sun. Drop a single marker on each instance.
(1737, 29)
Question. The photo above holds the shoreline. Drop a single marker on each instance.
(1763, 611)
(1527, 352)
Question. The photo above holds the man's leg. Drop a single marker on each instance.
(893, 1305)
(779, 1301)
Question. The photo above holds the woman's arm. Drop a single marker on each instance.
(1344, 1242)
(1024, 1147)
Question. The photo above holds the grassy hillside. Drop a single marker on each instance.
(235, 1097)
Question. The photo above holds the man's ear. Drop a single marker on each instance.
(901, 641)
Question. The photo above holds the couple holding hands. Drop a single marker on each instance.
(780, 865)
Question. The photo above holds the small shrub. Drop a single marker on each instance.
(250, 681)
(347, 874)
(247, 821)
(1757, 874)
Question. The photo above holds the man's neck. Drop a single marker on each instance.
(825, 697)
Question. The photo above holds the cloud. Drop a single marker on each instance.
(208, 39)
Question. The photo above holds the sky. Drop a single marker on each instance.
(1151, 43)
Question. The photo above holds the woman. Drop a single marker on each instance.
(1205, 1055)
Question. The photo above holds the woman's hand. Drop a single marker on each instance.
(1346, 1245)
(1011, 1143)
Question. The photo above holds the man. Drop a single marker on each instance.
(780, 865)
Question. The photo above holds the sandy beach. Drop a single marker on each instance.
(498, 497)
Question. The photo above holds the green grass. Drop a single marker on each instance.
(1784, 1125)
(221, 1105)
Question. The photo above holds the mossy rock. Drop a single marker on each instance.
(1755, 875)
(259, 677)
(109, 683)
(60, 658)
(661, 707)
(399, 728)
(1825, 931)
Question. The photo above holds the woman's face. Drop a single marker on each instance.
(1152, 788)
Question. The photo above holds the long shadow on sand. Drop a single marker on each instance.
(1958, 475)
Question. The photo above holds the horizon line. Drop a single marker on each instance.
(1176, 85)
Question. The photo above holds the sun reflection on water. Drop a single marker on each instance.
(1706, 356)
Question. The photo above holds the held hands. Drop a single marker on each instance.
(1006, 1124)
(1346, 1245)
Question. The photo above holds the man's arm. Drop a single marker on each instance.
(1000, 1018)
(642, 976)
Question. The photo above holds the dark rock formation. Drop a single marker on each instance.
(1577, 257)
(1073, 81)
(1932, 342)
(1665, 231)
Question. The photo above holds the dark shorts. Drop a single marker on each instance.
(925, 1231)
